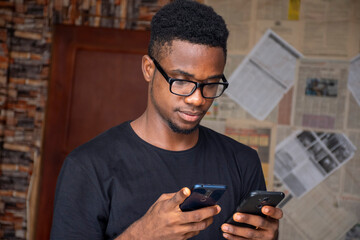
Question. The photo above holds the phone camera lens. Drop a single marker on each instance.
(265, 200)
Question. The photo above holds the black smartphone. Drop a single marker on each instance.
(254, 202)
(203, 195)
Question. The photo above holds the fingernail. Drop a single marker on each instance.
(186, 191)
(266, 210)
(225, 228)
(225, 235)
(238, 217)
(218, 208)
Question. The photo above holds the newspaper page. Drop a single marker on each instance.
(232, 61)
(321, 94)
(353, 121)
(349, 197)
(353, 233)
(285, 108)
(224, 107)
(264, 76)
(306, 158)
(272, 10)
(289, 225)
(355, 35)
(238, 15)
(290, 31)
(327, 27)
(287, 230)
(354, 78)
(282, 17)
(316, 216)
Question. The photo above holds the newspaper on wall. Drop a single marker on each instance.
(304, 217)
(349, 194)
(316, 216)
(321, 94)
(327, 28)
(286, 29)
(354, 78)
(306, 158)
(353, 117)
(224, 108)
(264, 76)
(238, 15)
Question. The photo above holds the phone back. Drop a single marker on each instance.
(258, 199)
(254, 202)
(203, 196)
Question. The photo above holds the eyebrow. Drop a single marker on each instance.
(179, 71)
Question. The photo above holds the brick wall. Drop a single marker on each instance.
(25, 53)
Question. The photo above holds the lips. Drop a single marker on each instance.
(190, 116)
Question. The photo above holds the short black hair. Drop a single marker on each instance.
(189, 21)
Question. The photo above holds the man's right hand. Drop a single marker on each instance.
(165, 220)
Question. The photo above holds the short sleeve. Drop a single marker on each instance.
(79, 208)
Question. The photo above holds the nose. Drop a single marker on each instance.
(196, 98)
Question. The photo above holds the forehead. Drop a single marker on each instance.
(190, 56)
(165, 48)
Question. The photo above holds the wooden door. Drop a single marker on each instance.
(96, 83)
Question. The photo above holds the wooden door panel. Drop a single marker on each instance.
(96, 83)
(96, 100)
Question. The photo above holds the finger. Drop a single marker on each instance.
(232, 237)
(165, 196)
(272, 212)
(254, 220)
(191, 234)
(201, 214)
(179, 197)
(235, 232)
(198, 226)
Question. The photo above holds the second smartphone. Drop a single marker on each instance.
(254, 202)
(203, 195)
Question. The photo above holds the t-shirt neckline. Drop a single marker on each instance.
(139, 139)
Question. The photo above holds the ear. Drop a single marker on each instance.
(148, 68)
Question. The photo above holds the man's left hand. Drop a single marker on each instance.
(266, 227)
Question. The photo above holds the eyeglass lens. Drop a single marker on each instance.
(186, 88)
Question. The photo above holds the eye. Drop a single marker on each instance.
(214, 80)
(180, 82)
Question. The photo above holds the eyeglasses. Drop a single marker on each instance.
(185, 88)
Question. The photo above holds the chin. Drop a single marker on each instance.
(175, 128)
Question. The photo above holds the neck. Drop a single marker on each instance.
(158, 133)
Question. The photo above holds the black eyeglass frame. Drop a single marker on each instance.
(171, 80)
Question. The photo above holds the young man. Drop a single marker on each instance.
(128, 182)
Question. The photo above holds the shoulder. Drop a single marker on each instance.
(103, 141)
(102, 148)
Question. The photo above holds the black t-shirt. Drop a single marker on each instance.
(108, 183)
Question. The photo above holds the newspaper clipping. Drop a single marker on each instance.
(306, 158)
(354, 78)
(264, 76)
(321, 94)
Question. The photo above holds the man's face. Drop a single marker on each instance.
(188, 61)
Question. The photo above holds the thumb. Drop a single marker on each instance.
(180, 196)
